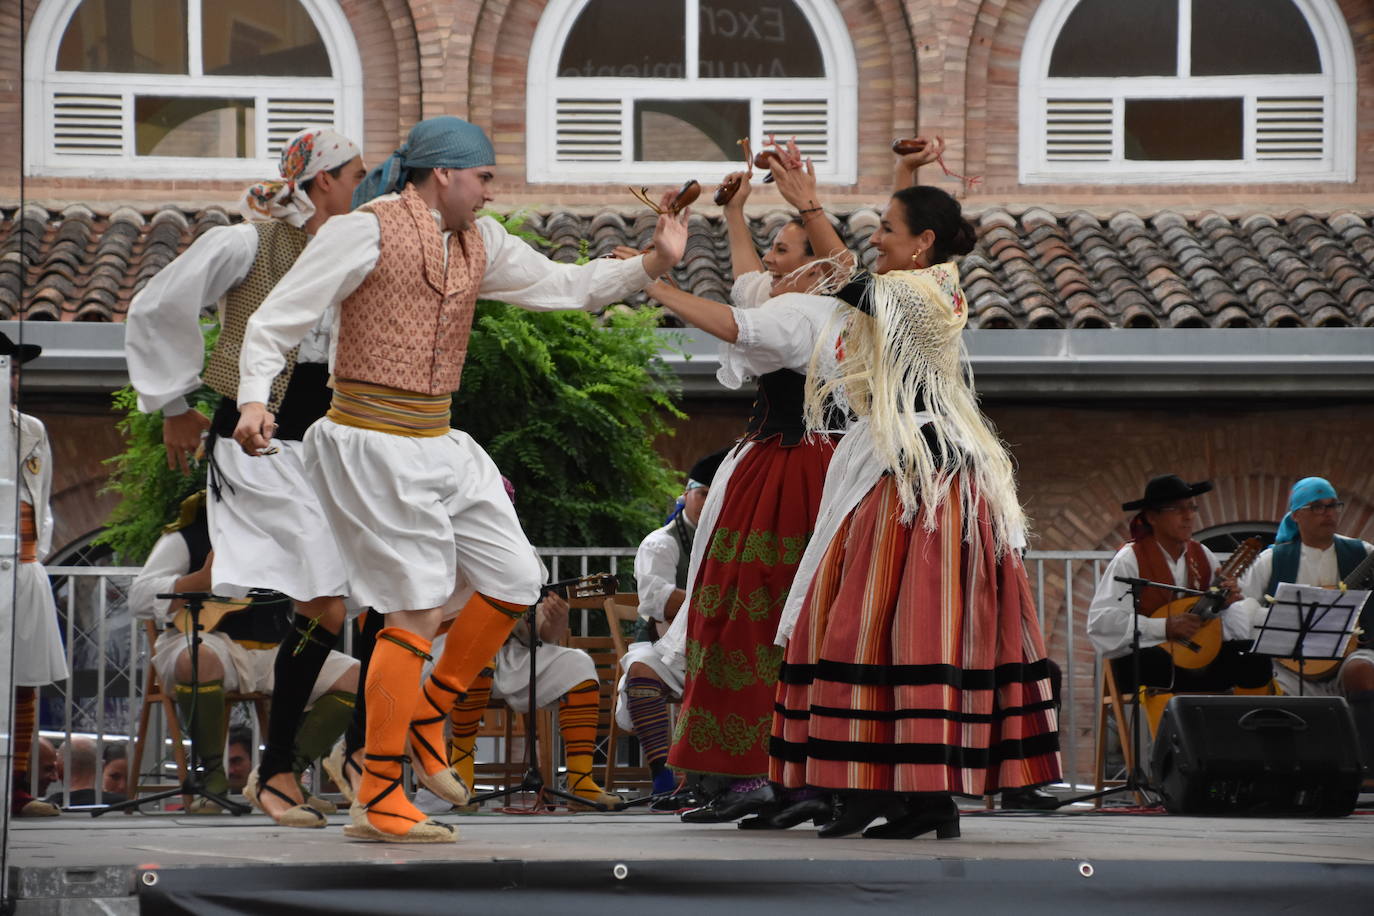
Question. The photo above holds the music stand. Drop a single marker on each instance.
(533, 780)
(1136, 780)
(192, 785)
(1305, 617)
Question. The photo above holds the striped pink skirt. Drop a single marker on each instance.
(917, 664)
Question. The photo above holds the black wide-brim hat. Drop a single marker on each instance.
(21, 352)
(704, 471)
(1165, 489)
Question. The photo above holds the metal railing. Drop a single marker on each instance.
(108, 654)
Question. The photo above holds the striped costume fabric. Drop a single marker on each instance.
(390, 410)
(917, 664)
(765, 521)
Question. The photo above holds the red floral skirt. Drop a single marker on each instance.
(732, 663)
(917, 664)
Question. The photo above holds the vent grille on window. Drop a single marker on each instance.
(1078, 130)
(1292, 128)
(807, 119)
(286, 117)
(588, 130)
(88, 125)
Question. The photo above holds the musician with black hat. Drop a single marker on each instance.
(39, 658)
(1162, 549)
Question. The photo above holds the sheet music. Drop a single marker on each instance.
(1321, 620)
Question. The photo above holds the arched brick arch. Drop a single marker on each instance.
(495, 74)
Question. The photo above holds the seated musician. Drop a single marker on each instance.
(661, 565)
(237, 654)
(1308, 551)
(1162, 549)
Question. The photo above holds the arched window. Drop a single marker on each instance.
(1187, 91)
(183, 88)
(661, 91)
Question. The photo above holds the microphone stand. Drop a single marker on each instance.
(192, 786)
(533, 780)
(1136, 780)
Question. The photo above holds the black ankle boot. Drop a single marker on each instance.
(924, 814)
(818, 809)
(856, 810)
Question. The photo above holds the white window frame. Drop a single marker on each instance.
(544, 87)
(42, 81)
(1101, 101)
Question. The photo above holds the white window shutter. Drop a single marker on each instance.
(87, 124)
(1078, 130)
(806, 119)
(1290, 128)
(588, 130)
(286, 117)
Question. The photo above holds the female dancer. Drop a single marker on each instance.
(915, 667)
(759, 514)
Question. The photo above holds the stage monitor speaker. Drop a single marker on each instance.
(1257, 755)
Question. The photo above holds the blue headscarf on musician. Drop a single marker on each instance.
(1304, 493)
(444, 142)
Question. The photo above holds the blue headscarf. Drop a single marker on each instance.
(444, 142)
(1304, 492)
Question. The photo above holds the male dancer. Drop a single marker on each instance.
(415, 503)
(266, 526)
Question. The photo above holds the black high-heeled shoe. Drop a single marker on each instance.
(818, 809)
(925, 815)
(857, 810)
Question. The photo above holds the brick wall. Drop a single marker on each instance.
(428, 57)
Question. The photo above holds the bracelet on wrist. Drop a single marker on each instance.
(807, 210)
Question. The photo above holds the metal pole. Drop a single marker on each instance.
(1068, 668)
(9, 558)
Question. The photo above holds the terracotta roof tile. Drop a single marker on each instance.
(1032, 269)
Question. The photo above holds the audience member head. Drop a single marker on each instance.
(81, 764)
(115, 777)
(699, 484)
(49, 765)
(239, 763)
(921, 226)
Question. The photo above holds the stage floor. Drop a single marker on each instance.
(56, 863)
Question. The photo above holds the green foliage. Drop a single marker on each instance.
(149, 491)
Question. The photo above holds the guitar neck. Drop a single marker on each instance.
(1361, 576)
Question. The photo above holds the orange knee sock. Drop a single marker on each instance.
(463, 720)
(393, 679)
(577, 715)
(477, 632)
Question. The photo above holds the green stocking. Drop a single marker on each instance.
(322, 726)
(211, 720)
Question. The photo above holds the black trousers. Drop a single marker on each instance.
(1233, 667)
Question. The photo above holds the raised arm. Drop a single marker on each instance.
(715, 318)
(744, 256)
(798, 188)
(924, 152)
(518, 274)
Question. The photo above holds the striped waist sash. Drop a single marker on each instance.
(389, 410)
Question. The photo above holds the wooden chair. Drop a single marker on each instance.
(154, 695)
(1112, 702)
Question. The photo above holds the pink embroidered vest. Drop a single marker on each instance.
(407, 325)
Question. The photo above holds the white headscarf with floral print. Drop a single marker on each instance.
(302, 158)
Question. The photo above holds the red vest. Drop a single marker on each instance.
(1151, 560)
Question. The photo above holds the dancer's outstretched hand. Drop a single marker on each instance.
(256, 428)
(797, 186)
(670, 239)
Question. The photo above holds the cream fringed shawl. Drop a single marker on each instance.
(909, 351)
